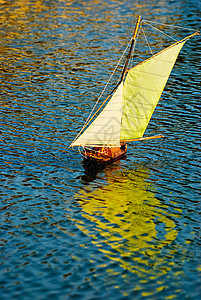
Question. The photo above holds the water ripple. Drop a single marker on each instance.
(131, 232)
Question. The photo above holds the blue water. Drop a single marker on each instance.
(133, 231)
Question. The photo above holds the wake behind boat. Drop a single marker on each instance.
(125, 114)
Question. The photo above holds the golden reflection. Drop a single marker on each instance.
(130, 224)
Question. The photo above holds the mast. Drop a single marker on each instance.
(131, 47)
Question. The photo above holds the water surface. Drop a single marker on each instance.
(133, 232)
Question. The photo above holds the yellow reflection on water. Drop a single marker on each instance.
(130, 224)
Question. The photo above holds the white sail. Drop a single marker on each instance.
(105, 129)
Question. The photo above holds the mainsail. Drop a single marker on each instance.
(143, 87)
(127, 114)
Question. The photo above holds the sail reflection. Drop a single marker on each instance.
(127, 221)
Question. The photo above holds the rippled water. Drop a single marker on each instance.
(133, 232)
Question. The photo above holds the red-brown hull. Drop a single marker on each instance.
(98, 159)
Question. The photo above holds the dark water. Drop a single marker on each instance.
(133, 232)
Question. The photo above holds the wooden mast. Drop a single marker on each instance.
(131, 47)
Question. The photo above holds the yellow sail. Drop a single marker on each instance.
(105, 129)
(143, 87)
(127, 114)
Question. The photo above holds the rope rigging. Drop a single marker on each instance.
(163, 24)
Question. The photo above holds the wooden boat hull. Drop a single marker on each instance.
(96, 161)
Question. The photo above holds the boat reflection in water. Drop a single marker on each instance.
(128, 223)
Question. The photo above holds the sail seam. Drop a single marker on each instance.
(143, 88)
(161, 75)
(134, 117)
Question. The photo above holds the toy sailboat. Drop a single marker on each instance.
(128, 108)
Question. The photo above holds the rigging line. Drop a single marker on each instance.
(110, 78)
(161, 31)
(146, 21)
(133, 51)
(147, 42)
(178, 42)
(131, 47)
(119, 81)
(130, 63)
(89, 117)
